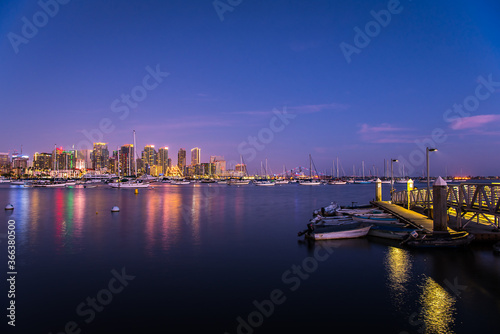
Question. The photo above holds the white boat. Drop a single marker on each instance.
(4, 180)
(238, 182)
(279, 182)
(264, 183)
(180, 182)
(339, 231)
(310, 182)
(222, 182)
(128, 185)
(335, 182)
(17, 182)
(378, 220)
(56, 185)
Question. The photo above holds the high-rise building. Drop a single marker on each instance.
(127, 164)
(83, 160)
(149, 158)
(100, 156)
(242, 168)
(163, 160)
(4, 160)
(42, 161)
(220, 164)
(195, 156)
(181, 159)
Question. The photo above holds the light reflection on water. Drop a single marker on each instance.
(438, 308)
(399, 266)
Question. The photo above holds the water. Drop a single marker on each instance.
(215, 259)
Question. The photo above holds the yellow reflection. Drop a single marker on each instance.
(398, 264)
(438, 307)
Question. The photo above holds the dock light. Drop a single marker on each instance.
(427, 150)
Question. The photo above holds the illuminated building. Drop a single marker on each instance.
(181, 159)
(127, 164)
(100, 156)
(195, 156)
(42, 161)
(163, 160)
(149, 158)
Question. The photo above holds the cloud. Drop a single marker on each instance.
(473, 122)
(303, 109)
(385, 134)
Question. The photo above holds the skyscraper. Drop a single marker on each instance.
(195, 156)
(181, 159)
(100, 156)
(41, 161)
(127, 162)
(149, 158)
(163, 159)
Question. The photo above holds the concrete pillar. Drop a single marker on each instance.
(378, 190)
(440, 209)
(409, 188)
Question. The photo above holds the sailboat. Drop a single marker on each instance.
(337, 181)
(129, 184)
(283, 180)
(310, 181)
(241, 181)
(264, 182)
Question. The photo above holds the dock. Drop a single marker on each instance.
(408, 216)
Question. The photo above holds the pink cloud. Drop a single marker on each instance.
(385, 134)
(473, 122)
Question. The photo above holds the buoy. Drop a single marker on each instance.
(136, 191)
(96, 212)
(9, 207)
(115, 209)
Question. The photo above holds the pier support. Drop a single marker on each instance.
(440, 209)
(378, 190)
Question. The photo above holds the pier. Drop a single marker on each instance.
(474, 207)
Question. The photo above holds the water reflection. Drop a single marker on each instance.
(398, 265)
(438, 308)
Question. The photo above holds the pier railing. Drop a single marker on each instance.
(468, 201)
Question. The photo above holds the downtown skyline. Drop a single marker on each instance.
(379, 80)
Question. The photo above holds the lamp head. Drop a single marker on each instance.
(431, 149)
(395, 160)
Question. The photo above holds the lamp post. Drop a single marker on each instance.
(392, 178)
(427, 150)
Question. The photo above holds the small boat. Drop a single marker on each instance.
(310, 182)
(280, 182)
(128, 185)
(392, 232)
(222, 182)
(378, 220)
(340, 231)
(264, 183)
(207, 181)
(337, 182)
(56, 185)
(451, 239)
(238, 182)
(17, 182)
(180, 182)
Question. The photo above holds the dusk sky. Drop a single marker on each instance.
(361, 81)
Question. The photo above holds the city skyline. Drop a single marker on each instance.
(276, 81)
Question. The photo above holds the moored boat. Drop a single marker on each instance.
(451, 239)
(339, 231)
(392, 232)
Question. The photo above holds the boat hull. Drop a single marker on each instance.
(448, 240)
(339, 232)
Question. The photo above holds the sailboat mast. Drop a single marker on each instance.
(337, 167)
(310, 166)
(135, 160)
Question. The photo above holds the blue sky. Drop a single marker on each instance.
(228, 79)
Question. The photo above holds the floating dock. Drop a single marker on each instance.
(408, 216)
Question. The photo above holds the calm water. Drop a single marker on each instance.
(215, 259)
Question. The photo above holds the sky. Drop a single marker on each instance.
(364, 82)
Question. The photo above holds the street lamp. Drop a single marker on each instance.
(427, 150)
(392, 178)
